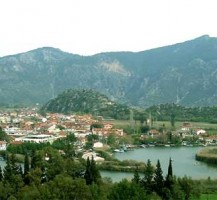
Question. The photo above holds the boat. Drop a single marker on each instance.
(119, 150)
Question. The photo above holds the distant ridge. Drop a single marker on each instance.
(183, 73)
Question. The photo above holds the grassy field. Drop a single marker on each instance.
(203, 125)
(208, 197)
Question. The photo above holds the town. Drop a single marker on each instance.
(27, 125)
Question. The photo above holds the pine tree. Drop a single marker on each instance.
(148, 176)
(158, 179)
(136, 177)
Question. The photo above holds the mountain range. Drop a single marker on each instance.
(183, 73)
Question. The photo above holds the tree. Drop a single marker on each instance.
(172, 119)
(88, 175)
(1, 175)
(145, 129)
(125, 190)
(96, 125)
(36, 160)
(95, 172)
(136, 177)
(64, 187)
(33, 160)
(158, 179)
(92, 174)
(169, 178)
(3, 135)
(7, 170)
(170, 168)
(111, 140)
(148, 176)
(169, 182)
(26, 164)
(189, 188)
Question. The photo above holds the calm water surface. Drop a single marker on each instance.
(184, 162)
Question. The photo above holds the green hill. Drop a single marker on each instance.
(86, 101)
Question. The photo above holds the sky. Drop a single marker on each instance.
(87, 27)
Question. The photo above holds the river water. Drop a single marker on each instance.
(184, 162)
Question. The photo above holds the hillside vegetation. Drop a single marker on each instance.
(86, 101)
(183, 73)
(164, 112)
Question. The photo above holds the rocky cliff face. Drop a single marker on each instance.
(184, 73)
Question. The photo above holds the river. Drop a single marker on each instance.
(184, 162)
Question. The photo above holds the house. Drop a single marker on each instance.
(108, 126)
(3, 145)
(186, 126)
(91, 155)
(200, 132)
(153, 133)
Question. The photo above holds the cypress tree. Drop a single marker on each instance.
(26, 164)
(1, 175)
(169, 178)
(170, 169)
(158, 179)
(94, 171)
(33, 160)
(88, 175)
(26, 170)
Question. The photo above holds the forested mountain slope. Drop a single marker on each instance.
(184, 73)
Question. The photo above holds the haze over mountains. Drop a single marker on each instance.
(184, 73)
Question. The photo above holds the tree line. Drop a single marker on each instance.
(46, 174)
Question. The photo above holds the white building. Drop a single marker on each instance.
(3, 146)
(200, 131)
(98, 145)
(41, 138)
(92, 154)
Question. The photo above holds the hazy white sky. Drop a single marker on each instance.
(87, 27)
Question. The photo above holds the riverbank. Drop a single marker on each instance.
(113, 164)
(207, 155)
(122, 166)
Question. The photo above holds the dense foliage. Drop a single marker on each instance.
(86, 101)
(48, 175)
(166, 112)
